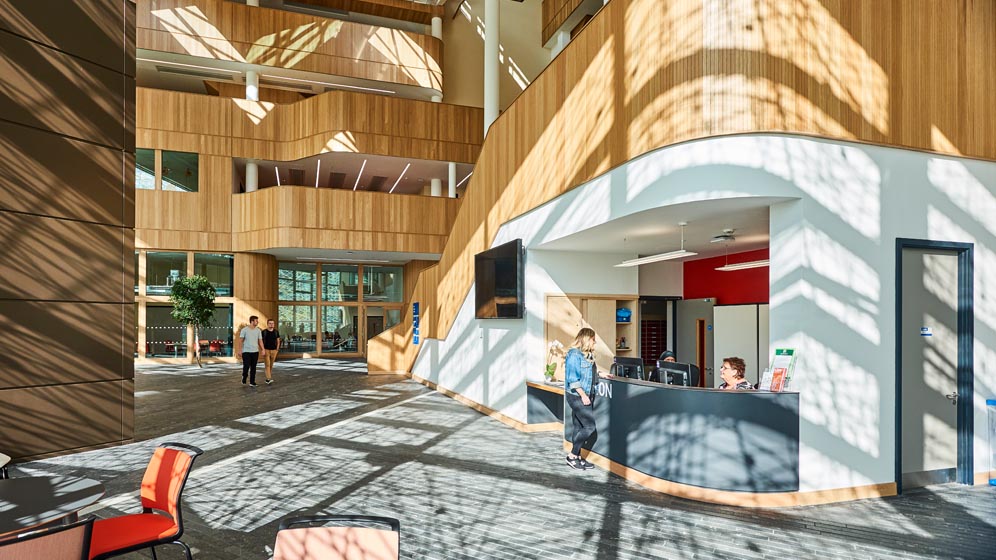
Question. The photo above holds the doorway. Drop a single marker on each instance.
(934, 353)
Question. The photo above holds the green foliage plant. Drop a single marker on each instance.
(193, 304)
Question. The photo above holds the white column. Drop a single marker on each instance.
(491, 28)
(436, 187)
(252, 85)
(437, 28)
(562, 38)
(437, 98)
(252, 176)
(451, 180)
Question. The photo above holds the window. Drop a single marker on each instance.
(382, 283)
(218, 339)
(180, 172)
(296, 282)
(339, 328)
(145, 169)
(136, 272)
(339, 282)
(162, 270)
(164, 337)
(219, 270)
(296, 324)
(392, 317)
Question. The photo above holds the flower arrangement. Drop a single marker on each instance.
(553, 351)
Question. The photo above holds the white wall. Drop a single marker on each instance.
(523, 55)
(662, 279)
(836, 210)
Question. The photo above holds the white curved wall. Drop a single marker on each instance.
(836, 211)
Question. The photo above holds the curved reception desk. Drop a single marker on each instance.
(731, 447)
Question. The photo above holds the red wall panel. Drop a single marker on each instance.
(702, 280)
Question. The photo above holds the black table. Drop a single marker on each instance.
(32, 501)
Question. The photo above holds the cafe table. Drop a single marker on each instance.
(33, 501)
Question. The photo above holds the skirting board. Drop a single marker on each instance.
(740, 499)
(507, 420)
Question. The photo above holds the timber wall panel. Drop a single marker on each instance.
(555, 13)
(645, 74)
(333, 121)
(66, 221)
(222, 30)
(405, 10)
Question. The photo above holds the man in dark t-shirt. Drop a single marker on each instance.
(271, 345)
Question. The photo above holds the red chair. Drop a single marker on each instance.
(59, 542)
(160, 521)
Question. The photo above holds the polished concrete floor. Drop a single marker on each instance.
(328, 438)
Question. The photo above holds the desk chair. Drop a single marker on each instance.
(59, 542)
(162, 486)
(299, 539)
(4, 461)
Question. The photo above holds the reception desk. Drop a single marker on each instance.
(721, 446)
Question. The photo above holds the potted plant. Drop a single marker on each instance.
(553, 351)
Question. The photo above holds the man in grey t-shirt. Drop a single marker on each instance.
(250, 339)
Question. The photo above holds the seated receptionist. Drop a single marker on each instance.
(667, 356)
(732, 373)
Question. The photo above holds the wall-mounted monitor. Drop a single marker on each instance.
(498, 278)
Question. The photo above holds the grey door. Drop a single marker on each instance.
(929, 370)
(694, 335)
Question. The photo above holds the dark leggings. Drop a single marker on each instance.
(249, 360)
(584, 420)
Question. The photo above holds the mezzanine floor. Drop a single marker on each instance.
(327, 438)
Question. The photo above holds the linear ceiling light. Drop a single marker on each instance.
(462, 181)
(742, 266)
(399, 178)
(357, 183)
(168, 63)
(330, 84)
(327, 259)
(277, 170)
(679, 254)
(318, 172)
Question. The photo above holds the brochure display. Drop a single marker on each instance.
(779, 375)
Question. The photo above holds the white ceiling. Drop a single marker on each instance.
(419, 174)
(657, 230)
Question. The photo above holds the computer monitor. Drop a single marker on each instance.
(628, 367)
(675, 373)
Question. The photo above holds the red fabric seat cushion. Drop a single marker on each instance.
(126, 531)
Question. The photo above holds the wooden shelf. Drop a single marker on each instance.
(623, 349)
(624, 322)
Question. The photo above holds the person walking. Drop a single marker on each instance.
(248, 351)
(271, 345)
(579, 381)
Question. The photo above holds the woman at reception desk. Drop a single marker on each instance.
(733, 447)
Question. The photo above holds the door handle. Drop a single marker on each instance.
(953, 397)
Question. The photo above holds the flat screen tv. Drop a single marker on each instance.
(498, 277)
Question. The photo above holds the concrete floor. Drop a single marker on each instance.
(328, 438)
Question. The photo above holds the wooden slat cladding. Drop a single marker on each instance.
(650, 73)
(335, 121)
(341, 219)
(222, 30)
(555, 13)
(405, 10)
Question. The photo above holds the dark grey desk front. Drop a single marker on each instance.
(740, 441)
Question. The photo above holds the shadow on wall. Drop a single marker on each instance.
(67, 199)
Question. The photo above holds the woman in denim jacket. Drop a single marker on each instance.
(579, 383)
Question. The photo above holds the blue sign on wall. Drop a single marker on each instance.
(415, 322)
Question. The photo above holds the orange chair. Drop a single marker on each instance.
(160, 521)
(59, 542)
(298, 539)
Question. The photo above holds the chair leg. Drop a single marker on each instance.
(153, 549)
(186, 549)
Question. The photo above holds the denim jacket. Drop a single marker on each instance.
(578, 372)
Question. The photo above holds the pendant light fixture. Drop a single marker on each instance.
(679, 254)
